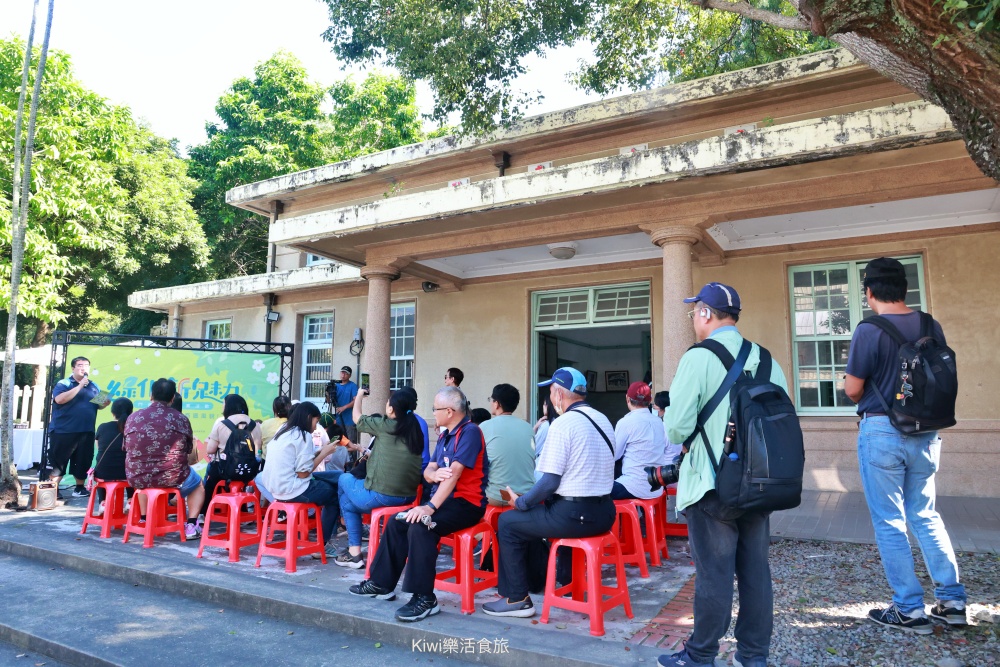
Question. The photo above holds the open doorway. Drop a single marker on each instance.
(604, 332)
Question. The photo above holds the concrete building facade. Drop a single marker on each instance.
(574, 236)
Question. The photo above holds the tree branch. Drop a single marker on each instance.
(746, 9)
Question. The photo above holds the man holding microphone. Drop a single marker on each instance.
(71, 431)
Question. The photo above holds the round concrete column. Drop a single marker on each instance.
(678, 334)
(378, 336)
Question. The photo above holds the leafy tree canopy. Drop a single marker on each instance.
(471, 51)
(274, 124)
(109, 207)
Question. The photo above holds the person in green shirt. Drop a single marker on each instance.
(724, 542)
(509, 444)
(393, 470)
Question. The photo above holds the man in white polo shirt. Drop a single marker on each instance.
(573, 497)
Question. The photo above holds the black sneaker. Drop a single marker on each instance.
(419, 607)
(892, 617)
(81, 493)
(944, 611)
(369, 589)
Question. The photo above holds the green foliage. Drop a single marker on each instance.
(274, 124)
(471, 51)
(978, 15)
(109, 207)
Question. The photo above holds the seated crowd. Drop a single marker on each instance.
(558, 477)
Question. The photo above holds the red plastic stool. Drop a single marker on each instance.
(654, 542)
(114, 507)
(492, 517)
(232, 515)
(236, 487)
(158, 511)
(376, 526)
(672, 529)
(589, 597)
(629, 534)
(464, 573)
(296, 543)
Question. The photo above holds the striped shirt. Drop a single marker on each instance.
(577, 452)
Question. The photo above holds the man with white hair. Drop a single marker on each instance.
(458, 472)
(572, 499)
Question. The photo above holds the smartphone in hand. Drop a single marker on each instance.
(505, 495)
(364, 381)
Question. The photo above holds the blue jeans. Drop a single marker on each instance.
(727, 542)
(322, 491)
(897, 472)
(356, 500)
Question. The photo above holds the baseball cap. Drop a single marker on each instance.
(346, 369)
(718, 296)
(884, 267)
(568, 378)
(640, 393)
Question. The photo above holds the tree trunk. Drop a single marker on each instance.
(41, 335)
(10, 485)
(896, 37)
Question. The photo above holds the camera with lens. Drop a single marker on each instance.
(665, 475)
(331, 393)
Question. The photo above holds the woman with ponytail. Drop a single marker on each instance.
(393, 469)
(110, 450)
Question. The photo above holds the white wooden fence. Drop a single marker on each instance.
(29, 403)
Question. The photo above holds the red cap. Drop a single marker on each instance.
(639, 392)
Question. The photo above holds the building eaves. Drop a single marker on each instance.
(617, 108)
(321, 275)
(885, 128)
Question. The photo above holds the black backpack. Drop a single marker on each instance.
(927, 380)
(764, 457)
(238, 461)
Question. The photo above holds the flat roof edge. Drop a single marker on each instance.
(320, 275)
(739, 81)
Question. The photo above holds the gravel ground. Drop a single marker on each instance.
(823, 592)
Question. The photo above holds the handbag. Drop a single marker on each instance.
(360, 468)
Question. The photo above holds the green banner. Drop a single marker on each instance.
(203, 378)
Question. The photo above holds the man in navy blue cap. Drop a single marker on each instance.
(572, 498)
(724, 541)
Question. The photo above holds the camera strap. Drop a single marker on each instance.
(735, 368)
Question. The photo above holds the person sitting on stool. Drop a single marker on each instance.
(572, 499)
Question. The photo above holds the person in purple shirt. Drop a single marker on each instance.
(897, 470)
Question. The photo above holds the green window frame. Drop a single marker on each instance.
(826, 303)
(591, 305)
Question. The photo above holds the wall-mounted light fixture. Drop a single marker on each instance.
(272, 316)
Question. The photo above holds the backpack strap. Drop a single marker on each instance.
(734, 369)
(885, 325)
(926, 325)
(233, 427)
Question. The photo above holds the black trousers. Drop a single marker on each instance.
(520, 534)
(414, 546)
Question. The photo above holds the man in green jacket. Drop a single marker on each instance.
(724, 542)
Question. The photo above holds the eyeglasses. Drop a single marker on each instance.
(436, 409)
(691, 314)
(490, 399)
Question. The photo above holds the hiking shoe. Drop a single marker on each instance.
(681, 659)
(892, 617)
(347, 560)
(419, 607)
(507, 607)
(81, 493)
(370, 589)
(192, 530)
(945, 610)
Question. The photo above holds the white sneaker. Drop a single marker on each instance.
(100, 510)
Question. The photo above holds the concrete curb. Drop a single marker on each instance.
(52, 649)
(309, 606)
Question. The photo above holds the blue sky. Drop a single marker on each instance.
(170, 61)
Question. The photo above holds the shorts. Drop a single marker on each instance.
(192, 482)
(72, 452)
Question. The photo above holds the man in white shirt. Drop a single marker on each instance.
(572, 499)
(639, 443)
